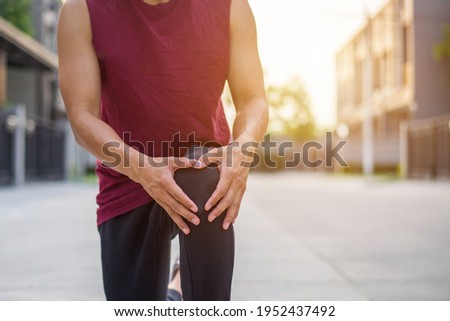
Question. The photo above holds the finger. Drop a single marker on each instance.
(177, 193)
(176, 218)
(222, 206)
(222, 187)
(232, 213)
(181, 210)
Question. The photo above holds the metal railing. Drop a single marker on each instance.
(45, 153)
(42, 147)
(6, 151)
(429, 148)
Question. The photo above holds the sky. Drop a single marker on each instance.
(301, 37)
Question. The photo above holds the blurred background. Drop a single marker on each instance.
(375, 74)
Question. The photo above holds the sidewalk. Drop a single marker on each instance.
(299, 237)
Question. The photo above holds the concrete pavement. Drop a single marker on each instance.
(299, 237)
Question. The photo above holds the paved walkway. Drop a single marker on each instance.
(299, 237)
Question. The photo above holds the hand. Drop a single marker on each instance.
(232, 183)
(157, 178)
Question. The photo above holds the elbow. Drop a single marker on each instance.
(78, 140)
(77, 129)
(264, 111)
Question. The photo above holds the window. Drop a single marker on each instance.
(405, 32)
(376, 71)
(359, 76)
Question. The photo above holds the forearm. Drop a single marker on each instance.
(249, 127)
(102, 141)
(251, 121)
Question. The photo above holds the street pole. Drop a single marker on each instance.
(19, 143)
(367, 126)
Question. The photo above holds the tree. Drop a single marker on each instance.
(441, 50)
(290, 113)
(17, 12)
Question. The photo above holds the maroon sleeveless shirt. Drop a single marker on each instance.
(163, 69)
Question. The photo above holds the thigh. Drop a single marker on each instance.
(207, 253)
(135, 251)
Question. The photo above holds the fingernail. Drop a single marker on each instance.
(186, 231)
(211, 218)
(207, 207)
(226, 226)
(194, 209)
(195, 221)
(198, 164)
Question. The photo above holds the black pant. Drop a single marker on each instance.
(136, 248)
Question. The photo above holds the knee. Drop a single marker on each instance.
(197, 184)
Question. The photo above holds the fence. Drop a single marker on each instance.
(45, 153)
(429, 148)
(6, 150)
(44, 150)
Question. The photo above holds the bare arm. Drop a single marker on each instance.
(247, 88)
(246, 76)
(79, 77)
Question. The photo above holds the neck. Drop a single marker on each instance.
(155, 2)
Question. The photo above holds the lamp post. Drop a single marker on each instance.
(367, 127)
(342, 131)
(16, 124)
(49, 23)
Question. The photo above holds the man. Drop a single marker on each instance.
(142, 81)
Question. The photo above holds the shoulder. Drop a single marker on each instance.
(240, 7)
(241, 15)
(74, 7)
(74, 17)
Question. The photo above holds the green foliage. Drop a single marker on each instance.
(290, 113)
(441, 50)
(17, 12)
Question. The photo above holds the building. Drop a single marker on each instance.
(33, 125)
(36, 90)
(387, 73)
(44, 15)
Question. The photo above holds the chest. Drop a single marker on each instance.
(194, 37)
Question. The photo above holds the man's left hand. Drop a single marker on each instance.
(234, 162)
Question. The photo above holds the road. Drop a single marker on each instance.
(298, 237)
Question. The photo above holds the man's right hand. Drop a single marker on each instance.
(157, 178)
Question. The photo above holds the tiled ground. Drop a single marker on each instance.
(299, 237)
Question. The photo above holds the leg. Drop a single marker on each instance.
(136, 254)
(174, 292)
(207, 253)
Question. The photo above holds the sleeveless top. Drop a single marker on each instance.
(163, 69)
